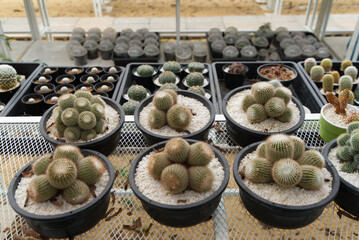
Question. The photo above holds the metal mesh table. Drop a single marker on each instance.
(21, 142)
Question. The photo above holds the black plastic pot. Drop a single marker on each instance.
(6, 95)
(179, 215)
(152, 138)
(233, 81)
(36, 108)
(70, 87)
(147, 82)
(104, 77)
(34, 83)
(86, 85)
(280, 215)
(72, 79)
(105, 145)
(68, 224)
(83, 79)
(348, 196)
(49, 85)
(244, 136)
(284, 83)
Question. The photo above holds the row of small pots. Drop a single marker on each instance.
(55, 71)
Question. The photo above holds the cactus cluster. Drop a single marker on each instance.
(237, 68)
(283, 159)
(267, 99)
(348, 148)
(79, 116)
(8, 77)
(181, 166)
(65, 170)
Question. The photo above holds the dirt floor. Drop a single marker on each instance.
(166, 8)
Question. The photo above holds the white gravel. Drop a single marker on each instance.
(351, 178)
(48, 208)
(235, 110)
(154, 190)
(295, 196)
(337, 119)
(200, 118)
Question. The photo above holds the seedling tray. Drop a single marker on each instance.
(29, 70)
(17, 107)
(128, 80)
(300, 87)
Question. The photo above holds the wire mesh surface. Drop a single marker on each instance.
(20, 143)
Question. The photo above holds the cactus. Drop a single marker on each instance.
(69, 117)
(56, 113)
(354, 141)
(328, 83)
(66, 101)
(40, 190)
(275, 107)
(339, 104)
(77, 193)
(87, 135)
(112, 70)
(169, 86)
(196, 67)
(313, 158)
(98, 110)
(177, 150)
(156, 118)
(279, 146)
(179, 117)
(200, 178)
(198, 89)
(40, 165)
(59, 129)
(175, 178)
(352, 126)
(137, 93)
(261, 150)
(98, 99)
(275, 83)
(351, 71)
(82, 104)
(87, 120)
(312, 178)
(286, 172)
(44, 89)
(8, 77)
(355, 163)
(336, 76)
(172, 66)
(248, 101)
(167, 77)
(157, 163)
(258, 170)
(327, 64)
(129, 107)
(145, 71)
(90, 169)
(348, 168)
(343, 139)
(256, 113)
(237, 68)
(90, 79)
(299, 146)
(345, 154)
(195, 79)
(351, 96)
(163, 101)
(262, 92)
(61, 173)
(200, 154)
(68, 151)
(283, 93)
(286, 116)
(173, 93)
(345, 82)
(83, 94)
(345, 63)
(317, 73)
(309, 63)
(100, 126)
(72, 134)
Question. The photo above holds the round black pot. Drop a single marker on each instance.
(86, 85)
(103, 94)
(54, 72)
(48, 105)
(105, 145)
(104, 77)
(83, 79)
(108, 84)
(81, 71)
(33, 109)
(147, 82)
(100, 70)
(48, 80)
(69, 86)
(7, 95)
(49, 85)
(244, 136)
(284, 83)
(233, 81)
(279, 215)
(152, 138)
(72, 79)
(179, 215)
(348, 196)
(68, 224)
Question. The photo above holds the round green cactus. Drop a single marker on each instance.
(196, 67)
(345, 82)
(40, 190)
(167, 77)
(200, 178)
(99, 100)
(327, 64)
(8, 77)
(328, 83)
(72, 134)
(172, 66)
(177, 149)
(137, 93)
(156, 118)
(286, 116)
(200, 154)
(197, 89)
(98, 110)
(352, 126)
(195, 79)
(351, 71)
(59, 129)
(61, 173)
(66, 101)
(82, 104)
(343, 139)
(157, 163)
(345, 63)
(173, 93)
(354, 141)
(348, 168)
(275, 83)
(90, 169)
(262, 92)
(130, 107)
(69, 117)
(261, 150)
(286, 172)
(313, 158)
(179, 117)
(68, 151)
(145, 71)
(258, 170)
(256, 113)
(283, 93)
(345, 154)
(56, 113)
(309, 63)
(248, 101)
(100, 126)
(40, 165)
(312, 178)
(275, 107)
(299, 146)
(163, 101)
(87, 120)
(87, 135)
(279, 146)
(83, 94)
(317, 73)
(175, 178)
(169, 86)
(77, 193)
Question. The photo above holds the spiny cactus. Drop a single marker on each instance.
(275, 83)
(99, 100)
(179, 117)
(175, 178)
(169, 86)
(163, 101)
(312, 178)
(286, 116)
(283, 93)
(167, 77)
(72, 134)
(100, 126)
(345, 154)
(66, 101)
(237, 68)
(157, 163)
(89, 134)
(345, 63)
(275, 107)
(309, 63)
(177, 150)
(328, 83)
(40, 190)
(156, 118)
(200, 178)
(352, 126)
(69, 117)
(196, 67)
(299, 146)
(98, 110)
(172, 66)
(336, 76)
(286, 172)
(68, 151)
(173, 93)
(351, 71)
(343, 139)
(261, 150)
(339, 104)
(200, 154)
(279, 146)
(83, 94)
(345, 82)
(348, 168)
(40, 165)
(8, 77)
(256, 113)
(248, 101)
(195, 79)
(77, 193)
(87, 120)
(351, 96)
(130, 107)
(90, 169)
(317, 73)
(137, 92)
(61, 173)
(197, 89)
(258, 170)
(312, 157)
(145, 70)
(82, 104)
(327, 64)
(262, 92)
(354, 141)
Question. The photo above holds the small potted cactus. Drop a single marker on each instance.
(51, 99)
(185, 180)
(258, 111)
(33, 104)
(9, 82)
(136, 93)
(130, 107)
(196, 67)
(105, 87)
(89, 78)
(282, 166)
(83, 120)
(285, 74)
(201, 91)
(64, 88)
(65, 176)
(195, 79)
(41, 80)
(45, 89)
(166, 77)
(171, 66)
(234, 74)
(144, 75)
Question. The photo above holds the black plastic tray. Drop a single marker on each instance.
(300, 87)
(124, 61)
(26, 69)
(17, 107)
(128, 80)
(336, 66)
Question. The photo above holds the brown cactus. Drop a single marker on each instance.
(340, 104)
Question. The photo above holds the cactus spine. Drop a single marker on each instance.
(177, 150)
(145, 70)
(200, 154)
(61, 173)
(286, 172)
(175, 178)
(40, 190)
(195, 79)
(258, 170)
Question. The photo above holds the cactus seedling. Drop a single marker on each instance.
(8, 77)
(163, 101)
(200, 178)
(145, 70)
(172, 66)
(167, 77)
(179, 117)
(328, 83)
(275, 107)
(61, 173)
(351, 71)
(345, 82)
(312, 177)
(40, 165)
(317, 73)
(286, 172)
(69, 117)
(200, 154)
(345, 63)
(299, 146)
(309, 63)
(258, 170)
(157, 163)
(90, 169)
(177, 150)
(327, 64)
(40, 189)
(312, 157)
(248, 101)
(77, 193)
(195, 79)
(261, 150)
(66, 101)
(169, 86)
(196, 67)
(336, 76)
(175, 178)
(157, 118)
(262, 92)
(137, 92)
